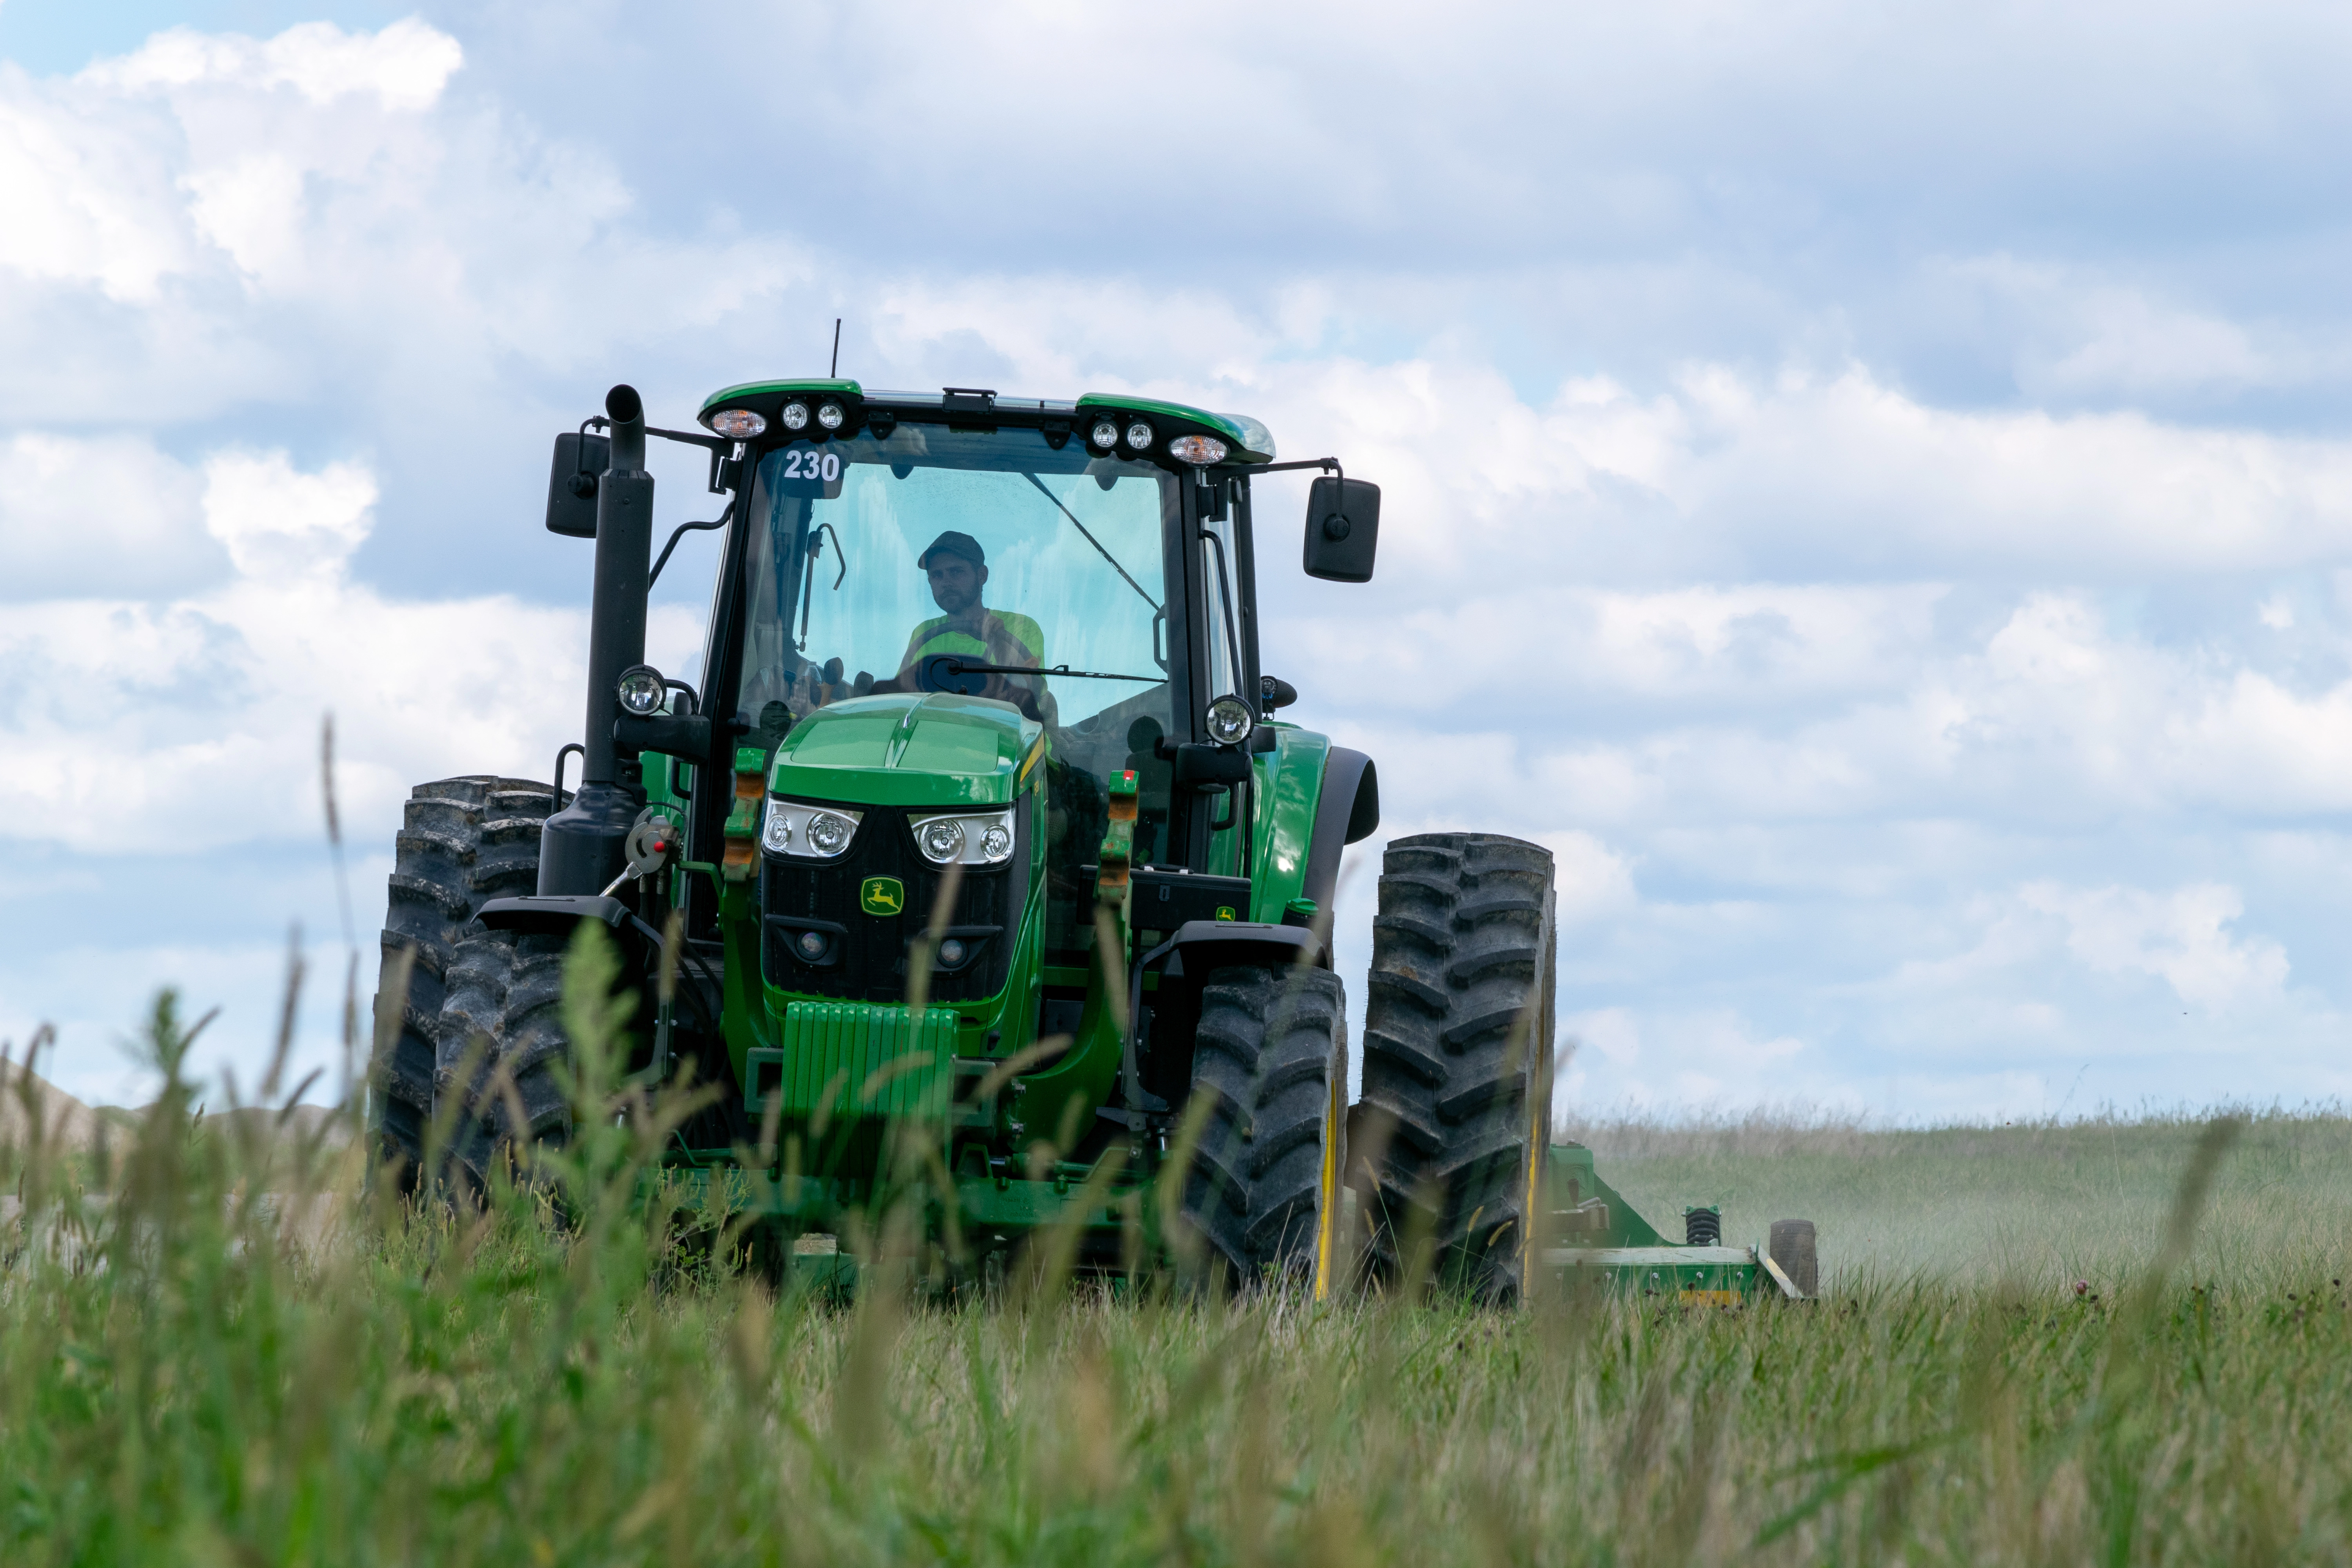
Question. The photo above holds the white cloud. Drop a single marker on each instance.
(193, 722)
(89, 194)
(216, 225)
(281, 527)
(404, 65)
(97, 518)
(1676, 1060)
(2176, 937)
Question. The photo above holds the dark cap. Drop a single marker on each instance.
(953, 544)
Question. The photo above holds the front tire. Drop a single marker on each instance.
(1457, 1059)
(1262, 1187)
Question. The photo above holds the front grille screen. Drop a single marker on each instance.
(867, 961)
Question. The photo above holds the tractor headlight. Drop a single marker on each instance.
(807, 832)
(641, 689)
(737, 424)
(829, 832)
(829, 416)
(1198, 451)
(1230, 721)
(941, 838)
(1138, 435)
(971, 839)
(795, 415)
(1106, 434)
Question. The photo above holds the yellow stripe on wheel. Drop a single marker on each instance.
(1326, 1221)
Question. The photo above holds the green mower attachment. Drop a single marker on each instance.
(1597, 1240)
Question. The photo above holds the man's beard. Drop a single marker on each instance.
(954, 603)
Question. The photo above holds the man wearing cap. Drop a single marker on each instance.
(958, 569)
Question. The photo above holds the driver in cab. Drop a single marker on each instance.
(958, 570)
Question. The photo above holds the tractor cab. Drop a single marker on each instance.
(1071, 582)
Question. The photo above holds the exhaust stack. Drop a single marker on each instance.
(585, 846)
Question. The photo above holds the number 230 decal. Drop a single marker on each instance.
(806, 465)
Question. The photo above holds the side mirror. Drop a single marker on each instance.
(1343, 528)
(571, 483)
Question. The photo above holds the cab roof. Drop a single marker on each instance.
(1251, 441)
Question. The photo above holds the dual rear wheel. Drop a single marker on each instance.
(1445, 1155)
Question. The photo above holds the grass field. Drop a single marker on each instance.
(184, 1380)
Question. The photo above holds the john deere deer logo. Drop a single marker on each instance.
(881, 896)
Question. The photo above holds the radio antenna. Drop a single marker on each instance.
(835, 372)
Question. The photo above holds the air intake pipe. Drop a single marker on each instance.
(585, 846)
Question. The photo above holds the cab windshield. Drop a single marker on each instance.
(868, 559)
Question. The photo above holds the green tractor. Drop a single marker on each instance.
(983, 830)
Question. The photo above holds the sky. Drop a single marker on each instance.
(1869, 488)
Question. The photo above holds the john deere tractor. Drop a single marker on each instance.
(982, 829)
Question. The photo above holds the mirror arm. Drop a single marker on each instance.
(686, 438)
(1331, 465)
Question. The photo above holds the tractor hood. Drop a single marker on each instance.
(905, 748)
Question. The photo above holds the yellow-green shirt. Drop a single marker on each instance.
(1006, 639)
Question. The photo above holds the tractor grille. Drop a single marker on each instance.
(855, 1058)
(867, 956)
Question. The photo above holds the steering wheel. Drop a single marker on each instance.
(939, 672)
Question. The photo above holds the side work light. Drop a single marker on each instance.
(641, 689)
(1230, 721)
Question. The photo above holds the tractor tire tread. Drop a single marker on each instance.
(1268, 1041)
(462, 842)
(1451, 1066)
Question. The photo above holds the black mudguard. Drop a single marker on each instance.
(1348, 812)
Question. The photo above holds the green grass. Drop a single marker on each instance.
(190, 1375)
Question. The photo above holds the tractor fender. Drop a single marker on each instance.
(1347, 811)
(551, 913)
(1205, 946)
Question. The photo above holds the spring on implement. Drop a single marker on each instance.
(1702, 1226)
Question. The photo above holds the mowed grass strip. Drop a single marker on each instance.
(192, 1381)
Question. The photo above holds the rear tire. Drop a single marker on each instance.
(1457, 1059)
(1261, 1189)
(463, 842)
